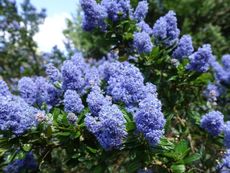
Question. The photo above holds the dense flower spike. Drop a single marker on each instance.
(72, 102)
(222, 73)
(222, 76)
(213, 122)
(17, 166)
(116, 8)
(184, 48)
(165, 29)
(4, 90)
(38, 91)
(150, 120)
(96, 100)
(145, 27)
(124, 82)
(53, 73)
(73, 77)
(109, 127)
(227, 134)
(28, 90)
(142, 42)
(94, 15)
(200, 60)
(226, 62)
(141, 10)
(16, 115)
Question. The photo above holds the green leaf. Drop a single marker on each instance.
(92, 150)
(178, 168)
(181, 147)
(2, 151)
(130, 126)
(49, 131)
(192, 158)
(63, 134)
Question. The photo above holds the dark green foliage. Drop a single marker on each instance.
(18, 53)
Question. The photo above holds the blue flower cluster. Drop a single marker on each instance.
(141, 10)
(116, 9)
(15, 114)
(108, 126)
(94, 15)
(53, 73)
(142, 42)
(72, 102)
(38, 90)
(222, 73)
(227, 134)
(213, 122)
(96, 100)
(150, 120)
(104, 84)
(200, 60)
(4, 90)
(78, 75)
(144, 27)
(125, 84)
(164, 32)
(21, 165)
(165, 29)
(184, 48)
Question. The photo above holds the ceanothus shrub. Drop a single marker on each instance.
(154, 103)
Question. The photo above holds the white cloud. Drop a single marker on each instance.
(50, 33)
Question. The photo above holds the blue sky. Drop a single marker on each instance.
(50, 33)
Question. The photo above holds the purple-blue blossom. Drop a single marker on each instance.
(92, 77)
(28, 90)
(165, 29)
(184, 47)
(4, 89)
(94, 15)
(96, 100)
(16, 115)
(73, 77)
(142, 42)
(213, 122)
(124, 82)
(108, 127)
(116, 9)
(200, 60)
(145, 27)
(226, 62)
(72, 102)
(53, 73)
(227, 134)
(37, 90)
(221, 75)
(141, 10)
(150, 120)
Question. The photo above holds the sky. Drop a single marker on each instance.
(50, 33)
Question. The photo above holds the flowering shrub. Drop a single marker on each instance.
(152, 104)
